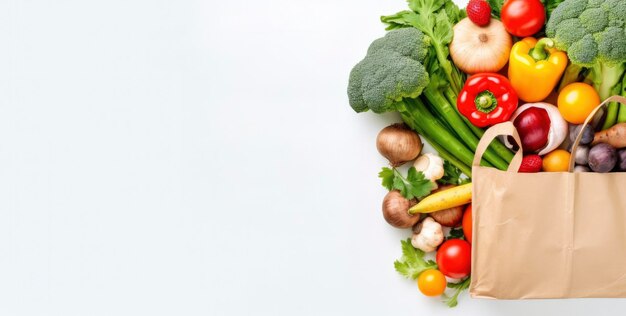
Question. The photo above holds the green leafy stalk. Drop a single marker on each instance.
(412, 263)
(395, 21)
(435, 18)
(452, 301)
(439, 29)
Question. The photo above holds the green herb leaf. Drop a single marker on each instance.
(454, 13)
(443, 28)
(417, 185)
(425, 6)
(387, 175)
(459, 287)
(496, 7)
(456, 233)
(451, 174)
(412, 262)
(550, 5)
(395, 21)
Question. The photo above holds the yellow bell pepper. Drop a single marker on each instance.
(535, 68)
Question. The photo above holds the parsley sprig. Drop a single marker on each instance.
(412, 262)
(452, 175)
(415, 185)
(452, 301)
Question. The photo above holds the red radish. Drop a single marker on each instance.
(531, 164)
(479, 12)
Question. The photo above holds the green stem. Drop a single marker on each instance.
(611, 115)
(443, 153)
(441, 105)
(451, 97)
(572, 74)
(486, 102)
(540, 51)
(420, 116)
(458, 288)
(621, 116)
(446, 65)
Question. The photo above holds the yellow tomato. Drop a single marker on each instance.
(556, 161)
(576, 101)
(432, 282)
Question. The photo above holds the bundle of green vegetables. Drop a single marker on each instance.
(419, 70)
(409, 71)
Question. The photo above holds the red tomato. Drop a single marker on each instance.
(467, 223)
(454, 258)
(523, 18)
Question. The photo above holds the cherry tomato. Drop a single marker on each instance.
(576, 101)
(556, 161)
(454, 258)
(467, 223)
(432, 282)
(523, 18)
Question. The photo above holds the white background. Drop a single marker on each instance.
(199, 158)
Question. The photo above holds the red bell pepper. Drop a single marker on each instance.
(487, 99)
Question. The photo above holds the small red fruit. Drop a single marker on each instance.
(454, 258)
(479, 12)
(531, 163)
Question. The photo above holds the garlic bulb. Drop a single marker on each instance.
(431, 165)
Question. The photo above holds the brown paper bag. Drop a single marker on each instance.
(547, 235)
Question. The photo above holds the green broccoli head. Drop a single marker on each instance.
(591, 31)
(391, 70)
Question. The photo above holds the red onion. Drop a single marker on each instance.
(541, 127)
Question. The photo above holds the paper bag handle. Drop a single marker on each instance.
(504, 129)
(572, 159)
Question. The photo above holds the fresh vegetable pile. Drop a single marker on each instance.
(451, 73)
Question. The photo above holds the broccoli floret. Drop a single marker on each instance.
(593, 34)
(594, 20)
(407, 42)
(391, 70)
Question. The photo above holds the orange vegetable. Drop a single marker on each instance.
(614, 136)
(467, 223)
